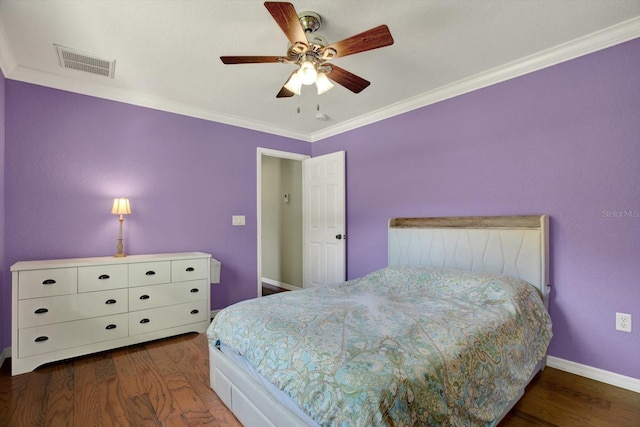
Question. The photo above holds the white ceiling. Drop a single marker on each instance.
(167, 52)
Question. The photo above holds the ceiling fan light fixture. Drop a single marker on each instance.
(323, 84)
(310, 51)
(294, 84)
(307, 73)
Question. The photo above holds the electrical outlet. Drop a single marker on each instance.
(623, 322)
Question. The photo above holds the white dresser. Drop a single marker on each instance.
(70, 307)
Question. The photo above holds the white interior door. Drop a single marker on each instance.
(324, 220)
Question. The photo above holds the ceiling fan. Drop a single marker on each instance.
(312, 51)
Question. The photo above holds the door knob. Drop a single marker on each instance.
(340, 236)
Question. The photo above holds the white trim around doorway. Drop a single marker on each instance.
(271, 153)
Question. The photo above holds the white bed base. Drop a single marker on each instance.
(512, 245)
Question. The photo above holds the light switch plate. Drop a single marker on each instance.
(237, 220)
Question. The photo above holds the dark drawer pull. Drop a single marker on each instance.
(195, 311)
(144, 296)
(110, 301)
(41, 310)
(111, 326)
(145, 321)
(190, 269)
(48, 282)
(41, 339)
(150, 273)
(194, 290)
(103, 277)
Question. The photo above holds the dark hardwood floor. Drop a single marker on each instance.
(558, 398)
(268, 289)
(166, 383)
(161, 383)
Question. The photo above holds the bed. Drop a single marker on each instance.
(449, 333)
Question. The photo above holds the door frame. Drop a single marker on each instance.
(269, 153)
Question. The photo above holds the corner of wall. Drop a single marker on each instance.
(4, 340)
(6, 353)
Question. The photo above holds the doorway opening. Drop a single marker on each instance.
(279, 216)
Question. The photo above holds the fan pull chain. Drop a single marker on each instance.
(320, 116)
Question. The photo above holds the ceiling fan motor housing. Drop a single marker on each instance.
(310, 21)
(316, 39)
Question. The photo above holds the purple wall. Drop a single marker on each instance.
(69, 155)
(5, 301)
(564, 141)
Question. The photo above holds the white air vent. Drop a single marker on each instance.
(76, 60)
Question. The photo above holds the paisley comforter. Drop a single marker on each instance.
(402, 346)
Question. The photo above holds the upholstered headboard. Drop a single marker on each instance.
(515, 246)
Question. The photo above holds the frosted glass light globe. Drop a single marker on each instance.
(307, 73)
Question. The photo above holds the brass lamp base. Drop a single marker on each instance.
(120, 253)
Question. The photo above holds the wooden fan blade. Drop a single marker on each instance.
(249, 59)
(284, 92)
(372, 39)
(352, 82)
(286, 17)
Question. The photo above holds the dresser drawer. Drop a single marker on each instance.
(156, 319)
(144, 297)
(44, 311)
(48, 282)
(189, 269)
(102, 277)
(45, 339)
(149, 273)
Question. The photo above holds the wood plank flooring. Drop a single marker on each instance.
(166, 383)
(268, 289)
(161, 383)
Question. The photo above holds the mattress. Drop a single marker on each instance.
(400, 346)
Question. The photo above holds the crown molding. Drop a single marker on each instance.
(37, 77)
(13, 71)
(8, 62)
(611, 36)
(590, 43)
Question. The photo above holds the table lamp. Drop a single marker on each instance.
(120, 207)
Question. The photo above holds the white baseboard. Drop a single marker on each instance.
(601, 375)
(6, 353)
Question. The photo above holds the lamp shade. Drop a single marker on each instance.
(121, 206)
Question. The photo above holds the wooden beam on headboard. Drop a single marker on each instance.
(497, 222)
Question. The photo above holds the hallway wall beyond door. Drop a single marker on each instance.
(282, 220)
